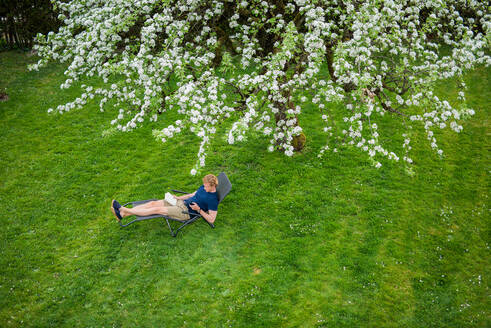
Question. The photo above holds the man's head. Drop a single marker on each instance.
(210, 182)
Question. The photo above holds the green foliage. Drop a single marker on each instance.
(22, 20)
(298, 242)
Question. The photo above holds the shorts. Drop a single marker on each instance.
(175, 211)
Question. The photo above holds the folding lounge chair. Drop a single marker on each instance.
(223, 188)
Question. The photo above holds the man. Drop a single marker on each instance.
(203, 201)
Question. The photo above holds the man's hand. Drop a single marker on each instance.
(194, 206)
(185, 196)
(210, 217)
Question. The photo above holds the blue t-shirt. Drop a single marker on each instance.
(205, 200)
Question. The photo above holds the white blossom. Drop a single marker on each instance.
(387, 65)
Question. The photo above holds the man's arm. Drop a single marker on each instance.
(209, 216)
(185, 196)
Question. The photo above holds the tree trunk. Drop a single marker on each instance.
(11, 39)
(11, 30)
(16, 37)
(299, 141)
(330, 60)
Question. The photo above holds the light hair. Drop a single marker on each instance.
(211, 180)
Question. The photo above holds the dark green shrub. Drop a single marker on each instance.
(21, 20)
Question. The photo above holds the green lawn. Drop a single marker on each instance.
(298, 242)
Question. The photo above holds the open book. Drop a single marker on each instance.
(170, 199)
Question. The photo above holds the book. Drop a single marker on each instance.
(170, 199)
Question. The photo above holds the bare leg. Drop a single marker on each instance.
(143, 211)
(155, 203)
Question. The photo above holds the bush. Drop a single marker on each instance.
(21, 20)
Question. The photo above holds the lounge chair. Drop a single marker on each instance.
(223, 188)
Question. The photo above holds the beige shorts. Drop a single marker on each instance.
(176, 210)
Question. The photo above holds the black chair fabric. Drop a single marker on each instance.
(224, 186)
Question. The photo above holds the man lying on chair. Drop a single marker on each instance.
(203, 201)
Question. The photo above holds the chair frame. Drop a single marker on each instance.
(193, 217)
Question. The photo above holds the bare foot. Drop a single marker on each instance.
(112, 210)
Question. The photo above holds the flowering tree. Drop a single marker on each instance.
(254, 65)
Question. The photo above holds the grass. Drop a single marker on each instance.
(298, 242)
